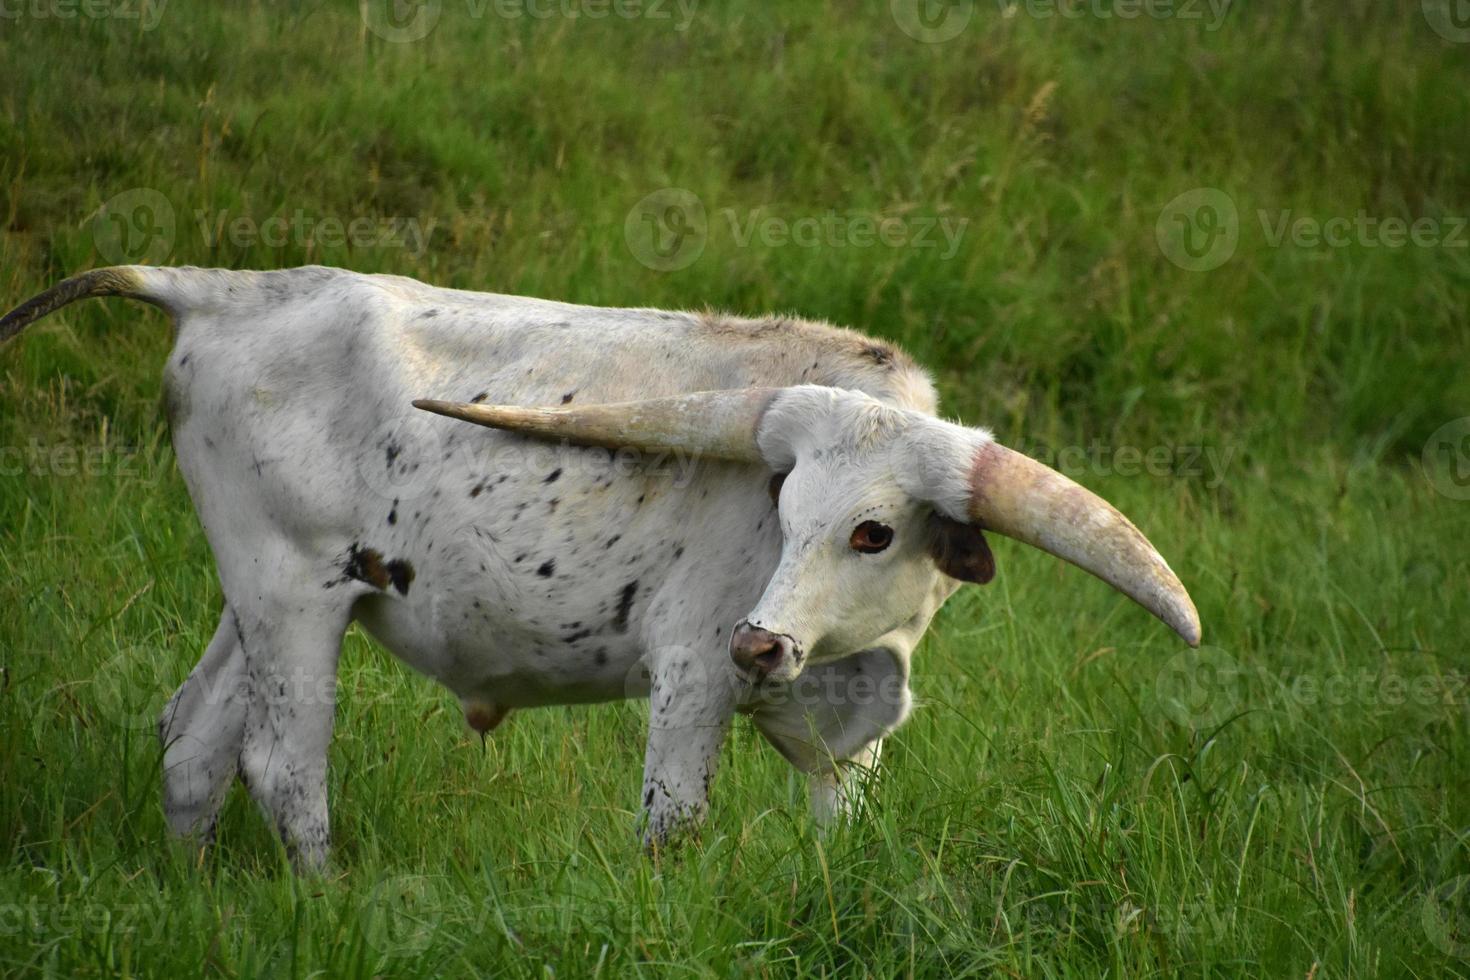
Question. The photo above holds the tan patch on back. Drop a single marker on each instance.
(791, 351)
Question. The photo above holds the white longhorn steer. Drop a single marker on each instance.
(817, 516)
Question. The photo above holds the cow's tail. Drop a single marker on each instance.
(171, 289)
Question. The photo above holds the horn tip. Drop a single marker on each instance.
(1186, 624)
(433, 405)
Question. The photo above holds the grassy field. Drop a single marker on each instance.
(1210, 259)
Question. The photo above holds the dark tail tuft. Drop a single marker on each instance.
(119, 280)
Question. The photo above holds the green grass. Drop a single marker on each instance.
(1078, 796)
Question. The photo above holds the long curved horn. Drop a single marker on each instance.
(1014, 495)
(718, 424)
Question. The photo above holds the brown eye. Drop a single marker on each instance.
(870, 537)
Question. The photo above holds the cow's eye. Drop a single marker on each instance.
(870, 537)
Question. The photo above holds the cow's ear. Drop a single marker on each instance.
(960, 550)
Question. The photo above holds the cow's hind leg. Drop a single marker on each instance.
(291, 638)
(200, 730)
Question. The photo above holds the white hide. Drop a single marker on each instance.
(521, 573)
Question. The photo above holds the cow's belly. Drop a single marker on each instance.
(540, 573)
(481, 655)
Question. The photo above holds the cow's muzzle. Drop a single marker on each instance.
(760, 652)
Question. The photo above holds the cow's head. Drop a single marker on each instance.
(874, 502)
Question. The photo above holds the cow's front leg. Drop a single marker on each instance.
(691, 702)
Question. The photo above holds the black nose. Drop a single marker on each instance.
(759, 651)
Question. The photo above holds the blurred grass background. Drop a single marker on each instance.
(1058, 807)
